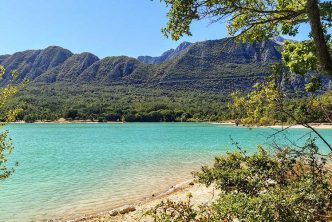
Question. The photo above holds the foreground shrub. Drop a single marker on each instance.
(287, 185)
(6, 147)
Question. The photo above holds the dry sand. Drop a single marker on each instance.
(314, 125)
(200, 193)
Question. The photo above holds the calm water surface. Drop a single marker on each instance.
(68, 170)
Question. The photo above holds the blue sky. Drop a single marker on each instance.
(103, 27)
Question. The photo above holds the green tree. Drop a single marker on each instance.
(287, 184)
(71, 114)
(6, 116)
(257, 20)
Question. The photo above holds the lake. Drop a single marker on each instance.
(68, 170)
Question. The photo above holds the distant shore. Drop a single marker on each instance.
(314, 125)
(61, 120)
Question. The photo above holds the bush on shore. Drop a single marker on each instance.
(280, 186)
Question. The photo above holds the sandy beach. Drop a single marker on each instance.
(201, 195)
(314, 125)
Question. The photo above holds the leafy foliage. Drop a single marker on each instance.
(258, 107)
(258, 19)
(299, 57)
(268, 105)
(285, 186)
(6, 146)
(172, 211)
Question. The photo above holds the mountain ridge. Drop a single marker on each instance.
(214, 65)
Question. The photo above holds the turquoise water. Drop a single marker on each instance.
(68, 170)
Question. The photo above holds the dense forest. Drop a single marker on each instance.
(118, 103)
(128, 103)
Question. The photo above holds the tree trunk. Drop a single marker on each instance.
(322, 49)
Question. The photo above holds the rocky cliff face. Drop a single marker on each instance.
(165, 56)
(109, 70)
(70, 69)
(33, 63)
(3, 57)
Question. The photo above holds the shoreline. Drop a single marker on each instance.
(64, 122)
(134, 211)
(327, 126)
